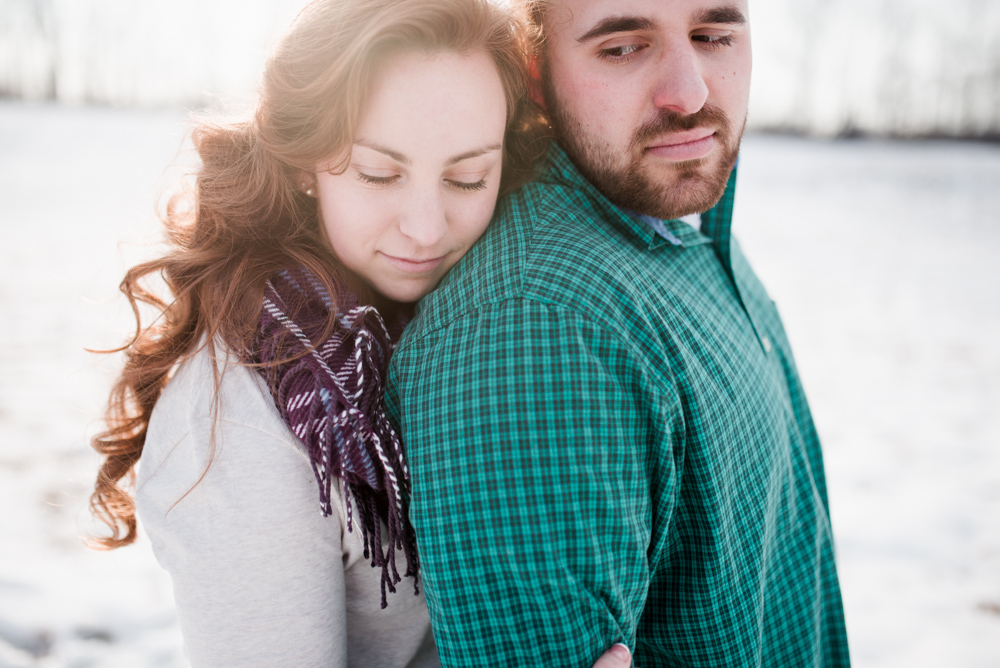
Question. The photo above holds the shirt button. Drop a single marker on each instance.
(766, 342)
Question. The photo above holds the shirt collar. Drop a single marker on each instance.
(559, 169)
(675, 232)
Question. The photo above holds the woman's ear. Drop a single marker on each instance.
(307, 182)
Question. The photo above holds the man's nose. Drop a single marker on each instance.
(681, 86)
(424, 221)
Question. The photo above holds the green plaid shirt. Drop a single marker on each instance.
(608, 441)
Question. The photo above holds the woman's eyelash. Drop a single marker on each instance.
(470, 187)
(389, 180)
(377, 180)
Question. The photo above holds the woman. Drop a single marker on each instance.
(385, 131)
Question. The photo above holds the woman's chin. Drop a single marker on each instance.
(406, 292)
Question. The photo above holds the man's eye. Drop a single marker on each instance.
(714, 41)
(621, 52)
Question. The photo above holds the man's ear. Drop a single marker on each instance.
(535, 83)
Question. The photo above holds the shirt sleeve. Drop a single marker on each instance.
(257, 570)
(527, 429)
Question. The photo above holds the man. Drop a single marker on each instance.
(607, 436)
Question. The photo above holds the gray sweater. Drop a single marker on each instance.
(260, 577)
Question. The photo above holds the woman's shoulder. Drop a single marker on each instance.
(216, 423)
(213, 385)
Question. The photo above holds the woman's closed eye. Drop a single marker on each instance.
(468, 186)
(377, 180)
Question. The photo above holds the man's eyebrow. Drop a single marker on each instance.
(725, 14)
(474, 153)
(395, 155)
(614, 24)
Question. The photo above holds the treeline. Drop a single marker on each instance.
(829, 67)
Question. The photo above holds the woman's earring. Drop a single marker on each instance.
(308, 190)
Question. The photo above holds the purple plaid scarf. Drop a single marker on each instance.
(330, 396)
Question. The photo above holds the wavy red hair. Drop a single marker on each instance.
(246, 216)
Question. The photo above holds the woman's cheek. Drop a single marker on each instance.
(484, 212)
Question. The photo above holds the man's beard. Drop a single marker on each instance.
(665, 190)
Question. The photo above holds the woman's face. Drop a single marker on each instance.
(423, 175)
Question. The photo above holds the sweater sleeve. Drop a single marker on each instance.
(257, 571)
(525, 430)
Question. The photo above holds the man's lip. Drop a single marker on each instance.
(414, 265)
(687, 145)
(684, 137)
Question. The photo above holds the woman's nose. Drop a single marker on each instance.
(424, 220)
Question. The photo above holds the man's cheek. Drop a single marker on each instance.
(598, 104)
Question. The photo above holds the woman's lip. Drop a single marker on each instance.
(683, 146)
(414, 266)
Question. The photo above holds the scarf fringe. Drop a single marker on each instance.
(331, 398)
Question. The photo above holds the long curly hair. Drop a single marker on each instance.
(246, 218)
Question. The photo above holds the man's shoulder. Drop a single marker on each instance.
(547, 243)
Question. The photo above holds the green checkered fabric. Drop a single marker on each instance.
(608, 441)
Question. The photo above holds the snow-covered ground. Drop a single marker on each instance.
(884, 258)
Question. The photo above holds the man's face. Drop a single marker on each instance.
(649, 97)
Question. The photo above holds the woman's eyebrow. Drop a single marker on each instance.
(395, 155)
(402, 159)
(475, 153)
(613, 24)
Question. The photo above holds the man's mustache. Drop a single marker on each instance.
(666, 122)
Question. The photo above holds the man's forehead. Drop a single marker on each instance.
(581, 16)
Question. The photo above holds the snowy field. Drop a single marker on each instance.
(883, 256)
